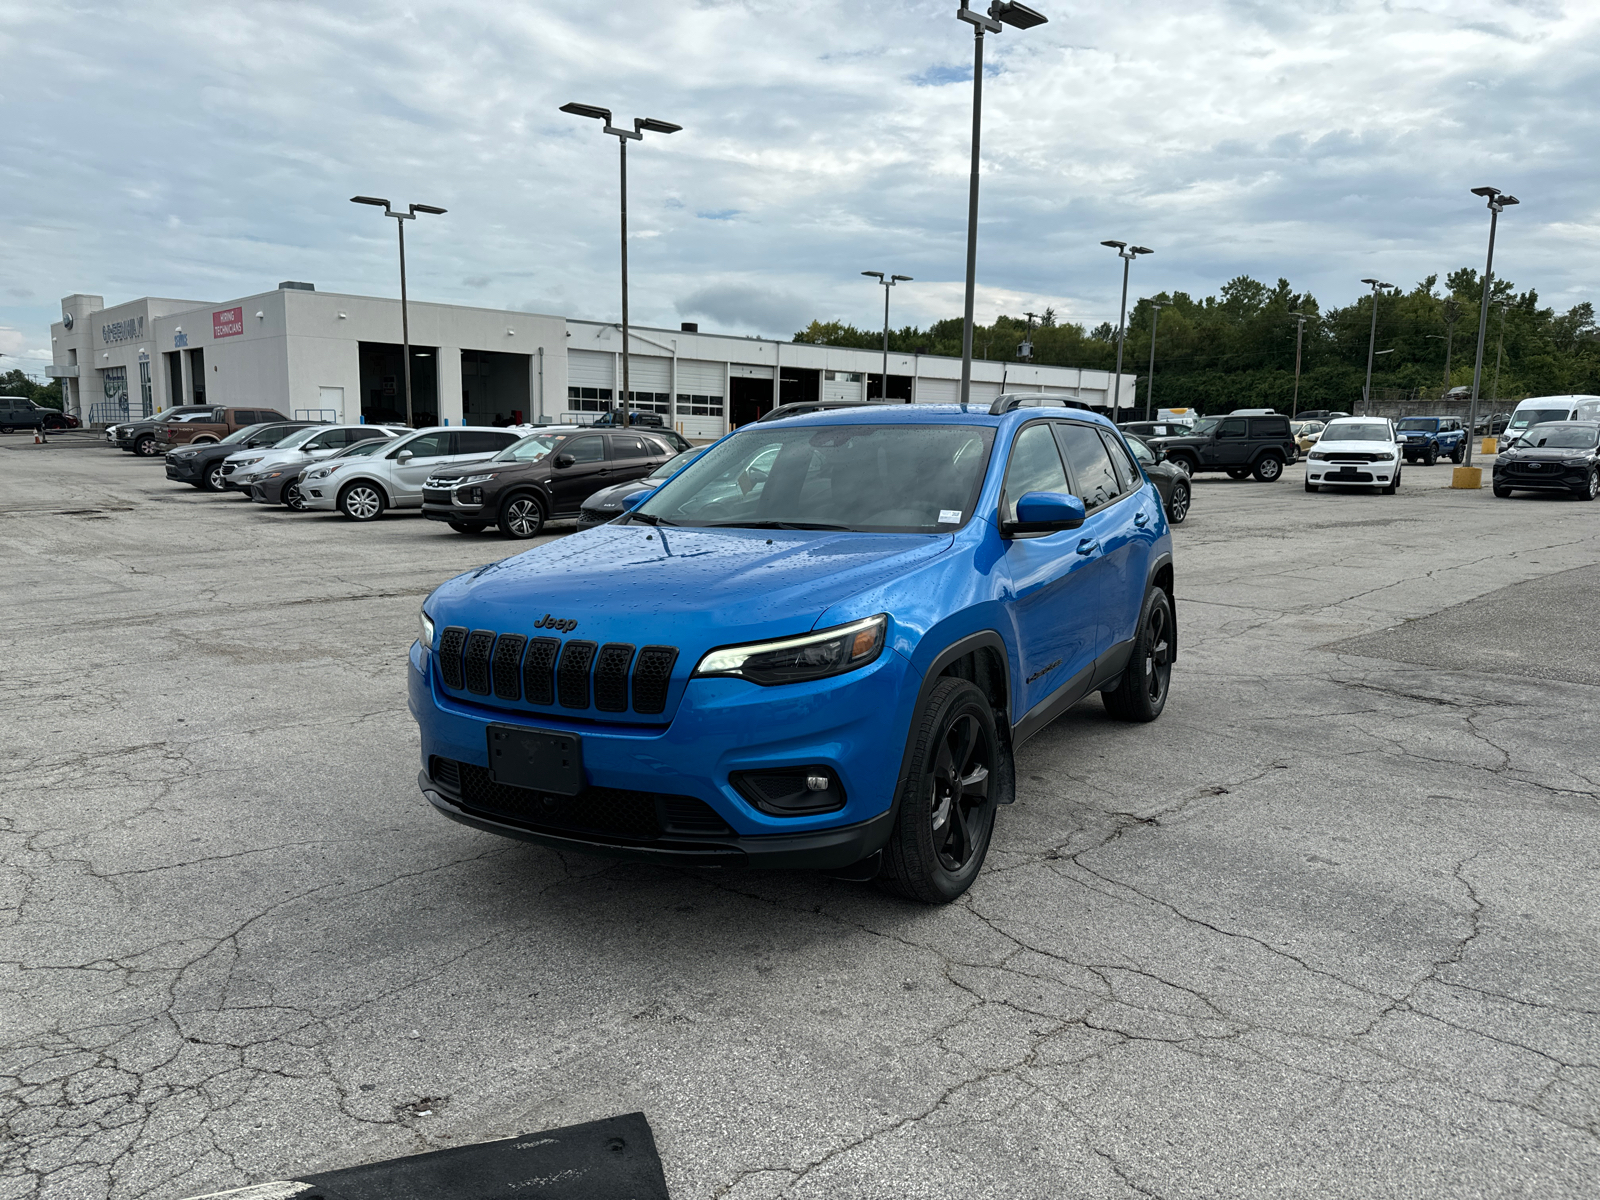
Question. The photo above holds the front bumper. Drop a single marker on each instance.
(1560, 479)
(184, 470)
(1326, 474)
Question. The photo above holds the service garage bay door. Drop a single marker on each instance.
(702, 387)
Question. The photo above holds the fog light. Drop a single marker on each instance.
(790, 791)
(817, 783)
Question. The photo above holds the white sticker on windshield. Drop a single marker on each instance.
(949, 516)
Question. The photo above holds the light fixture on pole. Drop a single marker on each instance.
(1498, 201)
(400, 219)
(889, 282)
(1127, 254)
(1299, 337)
(641, 125)
(1372, 338)
(1001, 13)
(1150, 383)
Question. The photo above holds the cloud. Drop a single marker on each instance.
(1321, 141)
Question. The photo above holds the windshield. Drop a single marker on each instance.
(1561, 435)
(239, 435)
(1204, 425)
(1537, 416)
(366, 447)
(675, 464)
(298, 437)
(1356, 431)
(1426, 424)
(878, 478)
(530, 449)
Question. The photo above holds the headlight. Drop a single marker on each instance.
(1384, 457)
(794, 660)
(1317, 454)
(321, 472)
(184, 453)
(455, 483)
(425, 632)
(248, 462)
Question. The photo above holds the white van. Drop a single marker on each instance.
(1536, 410)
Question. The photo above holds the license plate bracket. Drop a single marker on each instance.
(540, 760)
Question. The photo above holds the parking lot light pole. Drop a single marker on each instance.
(1372, 338)
(1499, 351)
(640, 126)
(1001, 13)
(1498, 201)
(1299, 335)
(400, 219)
(1127, 254)
(1150, 382)
(887, 284)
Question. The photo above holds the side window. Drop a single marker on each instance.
(588, 449)
(427, 445)
(365, 433)
(1094, 478)
(1129, 477)
(1035, 466)
(1143, 453)
(268, 414)
(1269, 427)
(478, 441)
(1233, 427)
(655, 449)
(628, 446)
(499, 441)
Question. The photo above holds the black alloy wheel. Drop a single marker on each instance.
(1430, 455)
(1459, 454)
(215, 479)
(1141, 693)
(147, 447)
(464, 527)
(521, 516)
(1591, 487)
(292, 498)
(959, 772)
(1178, 506)
(1269, 469)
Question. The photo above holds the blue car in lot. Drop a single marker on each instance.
(1428, 439)
(817, 646)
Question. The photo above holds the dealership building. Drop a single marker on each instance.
(320, 355)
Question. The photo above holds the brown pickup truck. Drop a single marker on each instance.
(223, 422)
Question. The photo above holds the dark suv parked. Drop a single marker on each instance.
(18, 412)
(201, 466)
(547, 475)
(1241, 446)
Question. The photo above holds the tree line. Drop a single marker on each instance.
(18, 383)
(1237, 349)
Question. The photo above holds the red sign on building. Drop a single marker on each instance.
(227, 323)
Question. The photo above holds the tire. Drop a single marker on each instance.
(1459, 454)
(521, 516)
(1238, 472)
(292, 499)
(1269, 469)
(463, 527)
(1394, 485)
(8, 428)
(1312, 487)
(1430, 455)
(1592, 489)
(146, 447)
(1178, 510)
(1183, 462)
(214, 478)
(960, 770)
(1141, 693)
(361, 501)
(1503, 492)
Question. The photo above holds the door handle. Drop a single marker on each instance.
(1142, 520)
(1088, 546)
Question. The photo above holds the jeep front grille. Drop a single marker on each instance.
(546, 672)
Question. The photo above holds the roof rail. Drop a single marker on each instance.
(801, 408)
(1011, 401)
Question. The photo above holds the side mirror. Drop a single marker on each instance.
(565, 460)
(1046, 512)
(404, 457)
(638, 498)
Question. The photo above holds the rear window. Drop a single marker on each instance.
(1269, 427)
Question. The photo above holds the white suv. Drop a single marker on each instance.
(299, 448)
(1356, 452)
(392, 478)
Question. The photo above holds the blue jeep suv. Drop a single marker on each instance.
(817, 646)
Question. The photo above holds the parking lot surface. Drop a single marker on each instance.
(1326, 928)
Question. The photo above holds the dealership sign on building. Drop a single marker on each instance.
(227, 323)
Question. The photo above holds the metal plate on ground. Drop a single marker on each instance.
(612, 1159)
(538, 759)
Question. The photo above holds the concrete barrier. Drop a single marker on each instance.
(1467, 477)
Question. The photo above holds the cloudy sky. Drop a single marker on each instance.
(208, 150)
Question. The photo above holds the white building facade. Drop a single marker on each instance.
(321, 355)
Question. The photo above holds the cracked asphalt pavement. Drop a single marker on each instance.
(1327, 928)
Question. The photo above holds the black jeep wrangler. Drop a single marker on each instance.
(1241, 445)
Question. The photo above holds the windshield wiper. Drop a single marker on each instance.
(776, 525)
(648, 519)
